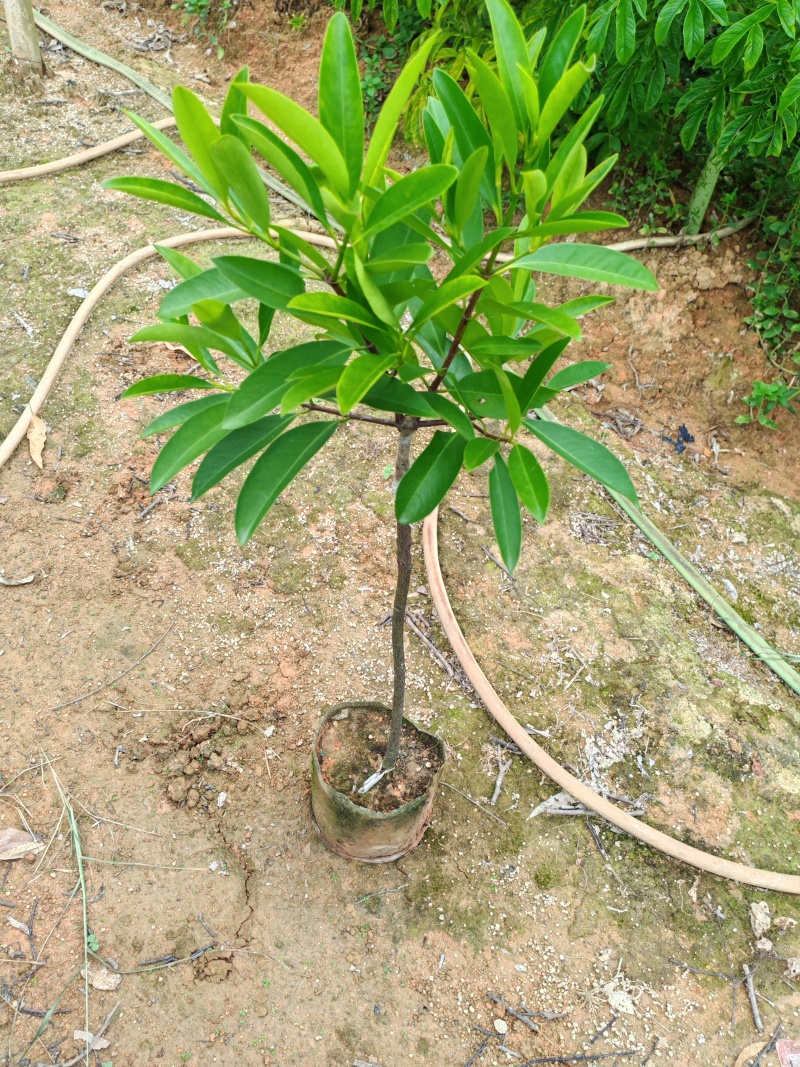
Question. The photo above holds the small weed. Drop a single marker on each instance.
(298, 22)
(647, 198)
(210, 18)
(765, 397)
(92, 943)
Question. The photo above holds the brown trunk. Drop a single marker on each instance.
(23, 35)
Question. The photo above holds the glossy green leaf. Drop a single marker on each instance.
(559, 54)
(561, 98)
(506, 517)
(358, 377)
(283, 159)
(248, 190)
(235, 449)
(753, 48)
(198, 132)
(341, 109)
(586, 454)
(530, 481)
(532, 312)
(195, 436)
(178, 415)
(262, 391)
(181, 264)
(408, 195)
(469, 132)
(166, 383)
(307, 133)
(176, 155)
(331, 305)
(386, 124)
(578, 373)
(512, 55)
(694, 29)
(274, 470)
(165, 193)
(467, 198)
(446, 409)
(424, 485)
(538, 371)
(235, 105)
(180, 334)
(389, 394)
(399, 259)
(446, 295)
(318, 383)
(481, 393)
(666, 17)
(728, 40)
(273, 284)
(594, 263)
(513, 412)
(625, 43)
(478, 452)
(790, 95)
(209, 284)
(497, 105)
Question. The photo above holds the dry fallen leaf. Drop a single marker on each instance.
(37, 436)
(95, 1043)
(101, 978)
(14, 844)
(23, 929)
(17, 581)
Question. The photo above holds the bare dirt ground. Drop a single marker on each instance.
(239, 938)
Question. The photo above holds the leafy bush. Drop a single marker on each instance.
(210, 18)
(464, 351)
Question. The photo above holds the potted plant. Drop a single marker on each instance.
(421, 323)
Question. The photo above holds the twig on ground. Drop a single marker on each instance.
(770, 1045)
(381, 892)
(523, 1016)
(505, 767)
(205, 925)
(606, 1028)
(100, 1032)
(146, 511)
(485, 811)
(650, 1054)
(579, 1059)
(461, 514)
(751, 992)
(160, 962)
(116, 678)
(479, 1051)
(437, 655)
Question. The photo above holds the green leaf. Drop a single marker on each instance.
(561, 98)
(447, 293)
(788, 19)
(583, 222)
(399, 259)
(482, 394)
(248, 190)
(389, 394)
(694, 29)
(358, 377)
(180, 334)
(790, 95)
(165, 193)
(235, 449)
(728, 40)
(666, 17)
(626, 32)
(307, 133)
(387, 122)
(530, 481)
(559, 54)
(198, 132)
(506, 518)
(167, 383)
(171, 151)
(467, 198)
(274, 470)
(195, 436)
(538, 371)
(594, 263)
(753, 48)
(512, 56)
(209, 284)
(578, 373)
(478, 452)
(235, 105)
(333, 306)
(263, 390)
(446, 409)
(532, 312)
(273, 284)
(408, 195)
(341, 108)
(286, 162)
(423, 487)
(586, 454)
(181, 264)
(177, 416)
(513, 413)
(319, 382)
(498, 109)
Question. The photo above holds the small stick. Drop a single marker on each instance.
(649, 1055)
(607, 1027)
(461, 514)
(485, 811)
(770, 1045)
(505, 766)
(479, 1051)
(578, 1058)
(149, 508)
(116, 678)
(751, 992)
(205, 925)
(380, 892)
(100, 1032)
(437, 655)
(523, 1016)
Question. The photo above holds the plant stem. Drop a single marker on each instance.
(703, 191)
(23, 34)
(403, 538)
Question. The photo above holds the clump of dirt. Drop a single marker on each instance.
(351, 747)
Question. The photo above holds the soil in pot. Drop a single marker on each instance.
(351, 748)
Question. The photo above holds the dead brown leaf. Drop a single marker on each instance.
(17, 581)
(37, 436)
(14, 844)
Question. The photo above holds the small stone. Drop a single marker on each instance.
(221, 798)
(763, 946)
(501, 1026)
(784, 923)
(192, 798)
(176, 791)
(215, 762)
(738, 538)
(760, 918)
